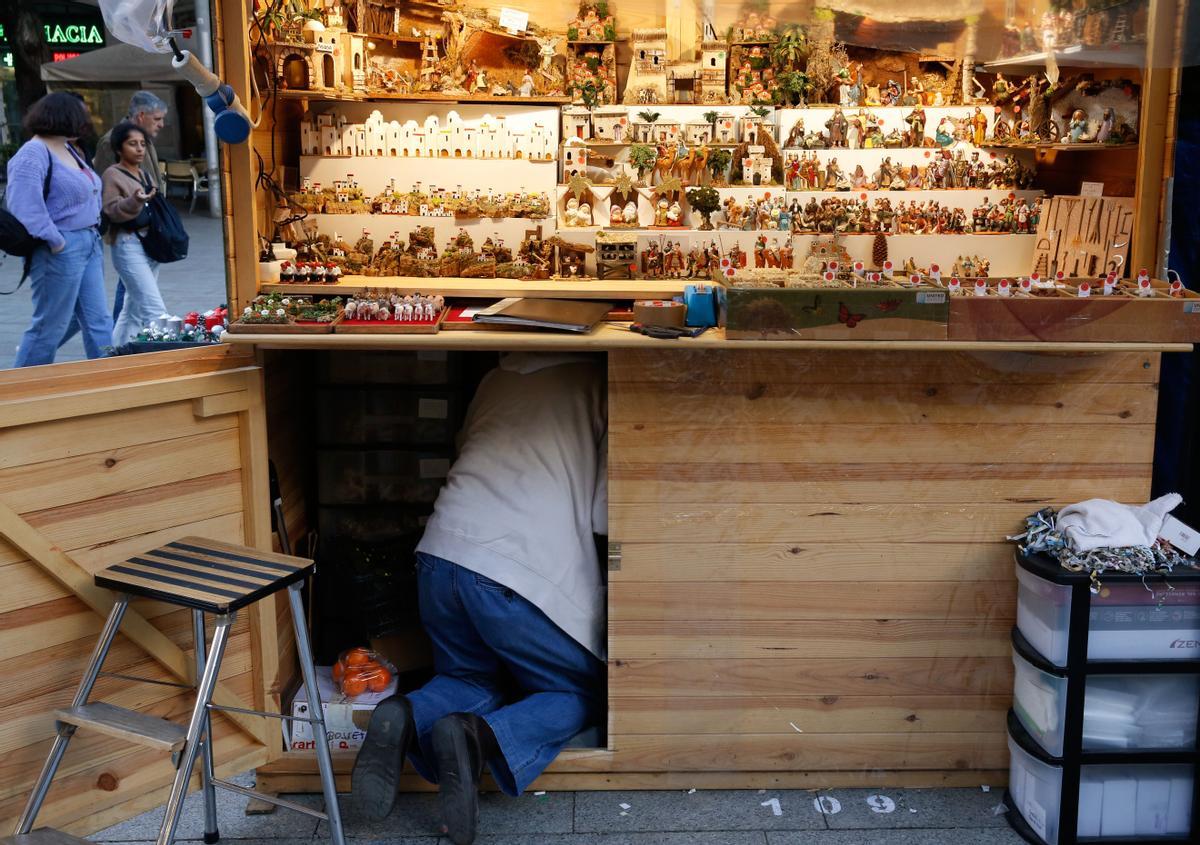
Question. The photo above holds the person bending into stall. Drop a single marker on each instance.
(510, 594)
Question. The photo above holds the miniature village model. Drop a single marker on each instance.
(749, 142)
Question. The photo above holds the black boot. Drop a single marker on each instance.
(381, 758)
(462, 742)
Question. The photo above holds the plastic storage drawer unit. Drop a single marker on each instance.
(1126, 621)
(1122, 802)
(1127, 712)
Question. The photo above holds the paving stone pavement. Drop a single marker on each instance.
(195, 284)
(678, 817)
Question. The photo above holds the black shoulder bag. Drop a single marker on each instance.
(14, 237)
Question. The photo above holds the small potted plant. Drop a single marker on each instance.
(643, 157)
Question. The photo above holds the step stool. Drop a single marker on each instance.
(208, 577)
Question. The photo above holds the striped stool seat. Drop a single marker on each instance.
(205, 574)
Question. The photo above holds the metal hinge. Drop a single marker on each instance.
(614, 557)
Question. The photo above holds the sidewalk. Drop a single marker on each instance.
(195, 284)
(703, 817)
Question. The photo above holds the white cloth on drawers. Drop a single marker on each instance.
(530, 486)
(1095, 523)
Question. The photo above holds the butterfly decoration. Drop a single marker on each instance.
(844, 316)
(888, 305)
(814, 308)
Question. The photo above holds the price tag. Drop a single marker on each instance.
(1181, 536)
(955, 285)
(512, 20)
(936, 272)
(1085, 289)
(1026, 286)
(1143, 288)
(887, 269)
(1091, 189)
(858, 268)
(1004, 288)
(980, 287)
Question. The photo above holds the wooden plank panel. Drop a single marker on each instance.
(911, 404)
(59, 439)
(701, 600)
(814, 523)
(121, 369)
(671, 637)
(782, 562)
(742, 370)
(54, 483)
(124, 514)
(635, 479)
(808, 714)
(718, 442)
(815, 752)
(725, 678)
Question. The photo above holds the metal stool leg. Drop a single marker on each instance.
(64, 732)
(316, 713)
(211, 834)
(204, 692)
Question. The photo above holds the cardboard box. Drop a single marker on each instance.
(837, 314)
(346, 720)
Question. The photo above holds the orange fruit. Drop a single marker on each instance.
(339, 671)
(357, 657)
(354, 684)
(380, 680)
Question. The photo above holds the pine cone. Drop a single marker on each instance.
(879, 250)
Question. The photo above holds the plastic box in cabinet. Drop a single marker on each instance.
(384, 414)
(432, 366)
(1115, 801)
(1120, 712)
(381, 476)
(1126, 620)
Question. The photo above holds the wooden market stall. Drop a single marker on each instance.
(808, 580)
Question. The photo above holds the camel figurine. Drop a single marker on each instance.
(690, 168)
(664, 164)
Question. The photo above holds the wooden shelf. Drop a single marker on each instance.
(427, 97)
(1113, 55)
(1085, 147)
(497, 288)
(617, 336)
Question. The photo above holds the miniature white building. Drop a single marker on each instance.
(577, 122)
(610, 123)
(756, 167)
(541, 143)
(750, 127)
(667, 131)
(643, 133)
(698, 133)
(574, 159)
(725, 129)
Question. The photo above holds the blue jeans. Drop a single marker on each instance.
(140, 275)
(118, 303)
(67, 284)
(486, 641)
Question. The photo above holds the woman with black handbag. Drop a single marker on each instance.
(55, 195)
(125, 200)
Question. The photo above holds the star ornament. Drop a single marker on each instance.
(623, 185)
(579, 185)
(669, 187)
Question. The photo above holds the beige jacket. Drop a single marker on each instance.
(105, 159)
(118, 198)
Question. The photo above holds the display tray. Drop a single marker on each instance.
(392, 326)
(837, 314)
(290, 327)
(1122, 317)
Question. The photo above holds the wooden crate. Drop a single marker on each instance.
(1122, 317)
(836, 314)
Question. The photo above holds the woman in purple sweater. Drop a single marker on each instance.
(66, 270)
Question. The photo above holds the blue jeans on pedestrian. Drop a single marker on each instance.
(140, 275)
(498, 656)
(118, 303)
(67, 284)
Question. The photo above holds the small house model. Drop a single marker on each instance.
(667, 132)
(725, 130)
(577, 123)
(713, 72)
(697, 133)
(750, 125)
(611, 124)
(647, 80)
(616, 254)
(756, 166)
(574, 159)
